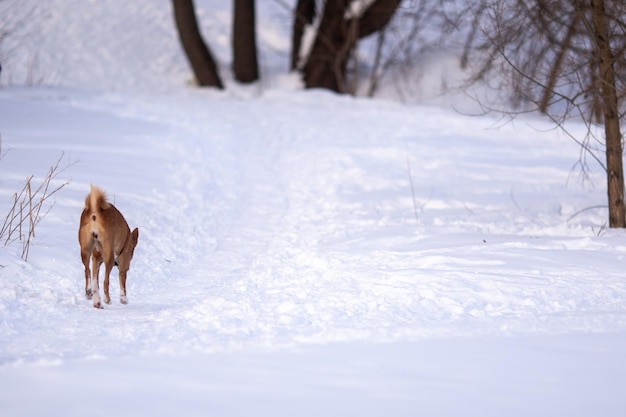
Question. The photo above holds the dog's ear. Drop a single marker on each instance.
(135, 235)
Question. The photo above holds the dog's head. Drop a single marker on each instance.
(123, 260)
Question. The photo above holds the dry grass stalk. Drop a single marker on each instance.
(26, 211)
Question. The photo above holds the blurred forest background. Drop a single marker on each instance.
(565, 59)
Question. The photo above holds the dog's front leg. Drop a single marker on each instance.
(96, 262)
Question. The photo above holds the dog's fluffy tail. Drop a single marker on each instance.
(96, 201)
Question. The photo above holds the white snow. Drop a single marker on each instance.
(300, 253)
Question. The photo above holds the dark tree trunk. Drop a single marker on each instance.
(327, 62)
(305, 13)
(377, 16)
(245, 64)
(198, 54)
(614, 151)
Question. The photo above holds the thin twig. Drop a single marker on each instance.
(586, 209)
(408, 166)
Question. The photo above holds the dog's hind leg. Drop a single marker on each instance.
(85, 258)
(96, 262)
(108, 266)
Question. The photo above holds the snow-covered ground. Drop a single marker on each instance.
(300, 253)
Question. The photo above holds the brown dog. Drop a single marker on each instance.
(105, 236)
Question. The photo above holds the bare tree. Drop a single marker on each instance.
(339, 29)
(198, 53)
(566, 58)
(601, 37)
(245, 64)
